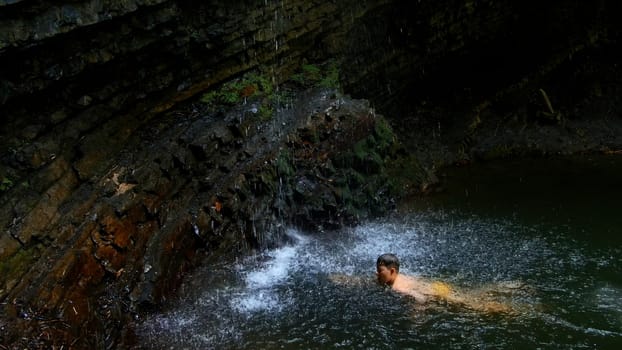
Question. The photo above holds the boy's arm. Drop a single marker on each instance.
(419, 297)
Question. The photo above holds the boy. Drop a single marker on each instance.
(387, 273)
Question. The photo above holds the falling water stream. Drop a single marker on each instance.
(553, 227)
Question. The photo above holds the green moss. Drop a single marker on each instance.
(260, 88)
(408, 175)
(5, 184)
(325, 75)
(343, 195)
(252, 86)
(331, 77)
(377, 145)
(355, 179)
(262, 83)
(17, 263)
(267, 181)
(266, 112)
(311, 72)
(361, 149)
(284, 165)
(384, 135)
(232, 92)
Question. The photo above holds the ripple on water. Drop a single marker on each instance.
(284, 299)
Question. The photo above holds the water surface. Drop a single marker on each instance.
(551, 225)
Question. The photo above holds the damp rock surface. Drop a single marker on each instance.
(192, 186)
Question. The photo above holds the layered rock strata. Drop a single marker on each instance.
(193, 184)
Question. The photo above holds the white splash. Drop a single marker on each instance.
(261, 283)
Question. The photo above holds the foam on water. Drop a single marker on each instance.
(262, 282)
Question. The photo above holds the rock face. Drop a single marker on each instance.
(192, 185)
(470, 80)
(114, 178)
(84, 131)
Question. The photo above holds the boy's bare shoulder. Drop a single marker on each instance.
(412, 286)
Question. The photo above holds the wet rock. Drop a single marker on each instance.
(191, 190)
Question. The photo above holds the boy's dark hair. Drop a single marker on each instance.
(389, 260)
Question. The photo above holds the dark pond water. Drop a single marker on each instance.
(555, 226)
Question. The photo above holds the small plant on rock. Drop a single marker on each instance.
(235, 91)
(325, 75)
(5, 184)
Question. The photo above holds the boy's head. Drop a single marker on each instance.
(387, 268)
